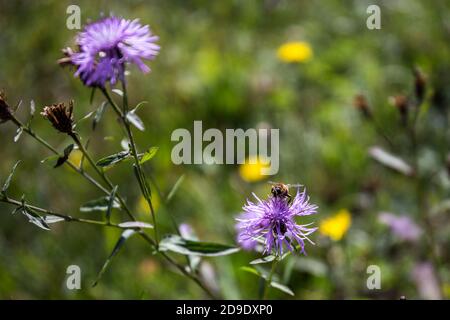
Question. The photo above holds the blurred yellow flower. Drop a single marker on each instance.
(251, 170)
(337, 225)
(298, 51)
(142, 205)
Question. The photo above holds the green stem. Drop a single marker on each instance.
(140, 173)
(269, 279)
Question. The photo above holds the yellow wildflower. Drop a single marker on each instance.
(298, 51)
(251, 169)
(337, 225)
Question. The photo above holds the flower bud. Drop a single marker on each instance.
(5, 110)
(448, 164)
(419, 85)
(360, 103)
(60, 116)
(401, 103)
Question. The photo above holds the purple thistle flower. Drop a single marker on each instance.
(106, 45)
(272, 222)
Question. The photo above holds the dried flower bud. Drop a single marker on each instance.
(401, 103)
(360, 103)
(448, 164)
(419, 84)
(67, 59)
(60, 116)
(5, 110)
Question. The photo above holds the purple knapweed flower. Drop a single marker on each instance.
(272, 222)
(402, 226)
(105, 46)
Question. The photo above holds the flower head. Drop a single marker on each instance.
(5, 110)
(337, 225)
(60, 116)
(272, 222)
(105, 46)
(298, 51)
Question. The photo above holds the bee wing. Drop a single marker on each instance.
(295, 185)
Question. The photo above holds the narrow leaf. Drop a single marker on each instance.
(282, 288)
(135, 224)
(175, 188)
(100, 204)
(99, 114)
(118, 92)
(61, 160)
(112, 197)
(53, 219)
(391, 161)
(134, 119)
(35, 218)
(18, 134)
(32, 108)
(8, 180)
(148, 155)
(125, 235)
(113, 159)
(177, 244)
(265, 259)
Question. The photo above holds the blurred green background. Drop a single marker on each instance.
(219, 64)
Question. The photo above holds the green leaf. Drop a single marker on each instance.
(8, 180)
(175, 188)
(140, 104)
(99, 114)
(135, 225)
(282, 288)
(113, 159)
(35, 218)
(134, 119)
(118, 92)
(124, 236)
(18, 134)
(61, 160)
(265, 259)
(177, 244)
(251, 270)
(148, 155)
(273, 284)
(391, 161)
(53, 219)
(100, 204)
(112, 197)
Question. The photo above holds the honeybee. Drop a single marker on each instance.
(281, 190)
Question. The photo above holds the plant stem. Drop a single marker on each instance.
(140, 173)
(94, 182)
(269, 279)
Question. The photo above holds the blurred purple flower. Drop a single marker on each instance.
(272, 222)
(106, 45)
(426, 282)
(402, 226)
